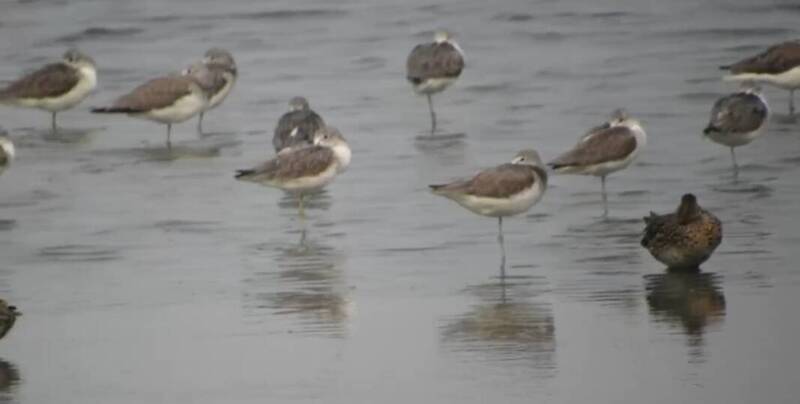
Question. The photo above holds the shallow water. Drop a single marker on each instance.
(153, 277)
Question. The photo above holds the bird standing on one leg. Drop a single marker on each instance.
(221, 64)
(603, 150)
(432, 67)
(303, 170)
(506, 190)
(683, 239)
(55, 87)
(737, 119)
(298, 126)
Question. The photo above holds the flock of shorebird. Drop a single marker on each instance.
(310, 154)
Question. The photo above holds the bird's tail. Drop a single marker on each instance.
(725, 67)
(114, 110)
(709, 129)
(438, 189)
(242, 174)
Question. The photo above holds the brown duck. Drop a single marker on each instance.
(8, 315)
(683, 239)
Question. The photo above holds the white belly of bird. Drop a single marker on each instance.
(788, 80)
(183, 109)
(217, 98)
(497, 207)
(735, 139)
(86, 84)
(431, 86)
(309, 183)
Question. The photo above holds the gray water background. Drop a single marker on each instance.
(148, 278)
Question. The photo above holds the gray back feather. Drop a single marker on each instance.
(738, 113)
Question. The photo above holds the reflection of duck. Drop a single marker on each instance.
(8, 316)
(505, 327)
(693, 300)
(9, 377)
(309, 286)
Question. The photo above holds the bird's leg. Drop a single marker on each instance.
(200, 124)
(169, 135)
(433, 114)
(55, 128)
(735, 166)
(605, 197)
(791, 102)
(300, 206)
(501, 241)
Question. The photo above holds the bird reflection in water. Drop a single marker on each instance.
(691, 300)
(9, 378)
(308, 285)
(506, 324)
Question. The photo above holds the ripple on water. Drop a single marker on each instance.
(187, 226)
(287, 15)
(79, 253)
(98, 33)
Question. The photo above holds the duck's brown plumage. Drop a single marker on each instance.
(685, 238)
(8, 316)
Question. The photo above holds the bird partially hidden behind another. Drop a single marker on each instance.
(737, 119)
(6, 152)
(55, 87)
(683, 239)
(298, 126)
(779, 66)
(432, 67)
(303, 170)
(8, 316)
(223, 68)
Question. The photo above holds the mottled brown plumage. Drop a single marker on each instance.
(602, 144)
(8, 316)
(777, 59)
(52, 80)
(683, 239)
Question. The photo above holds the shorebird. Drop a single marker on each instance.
(221, 64)
(432, 67)
(779, 66)
(603, 150)
(8, 316)
(683, 239)
(6, 152)
(303, 170)
(298, 126)
(506, 190)
(737, 119)
(168, 100)
(55, 87)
